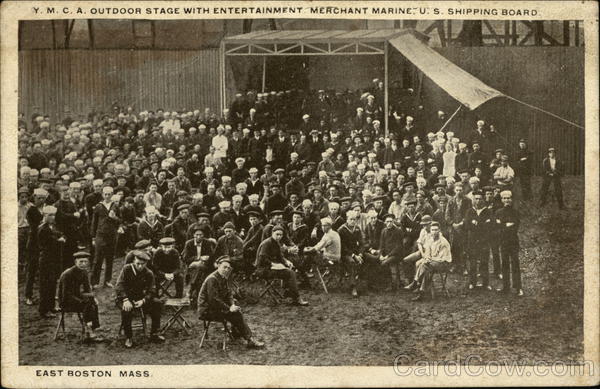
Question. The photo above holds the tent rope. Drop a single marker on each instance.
(451, 117)
(544, 111)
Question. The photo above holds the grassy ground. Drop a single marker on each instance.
(338, 330)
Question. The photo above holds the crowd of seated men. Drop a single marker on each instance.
(277, 185)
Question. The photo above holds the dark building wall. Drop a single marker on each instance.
(76, 82)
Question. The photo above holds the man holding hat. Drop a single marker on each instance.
(51, 241)
(105, 224)
(136, 289)
(216, 302)
(75, 293)
(68, 219)
(166, 265)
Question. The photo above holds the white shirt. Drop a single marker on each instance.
(504, 174)
(438, 250)
(221, 144)
(331, 245)
(552, 163)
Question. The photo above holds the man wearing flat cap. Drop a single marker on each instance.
(216, 303)
(178, 229)
(75, 293)
(141, 245)
(166, 265)
(50, 241)
(136, 289)
(553, 171)
(231, 245)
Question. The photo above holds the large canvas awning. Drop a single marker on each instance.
(468, 90)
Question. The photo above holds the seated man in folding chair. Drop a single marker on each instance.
(198, 255)
(166, 265)
(271, 264)
(136, 289)
(437, 258)
(75, 294)
(216, 303)
(328, 250)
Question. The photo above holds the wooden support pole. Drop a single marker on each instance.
(223, 94)
(264, 74)
(566, 33)
(386, 103)
(91, 33)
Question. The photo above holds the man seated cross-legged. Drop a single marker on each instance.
(216, 302)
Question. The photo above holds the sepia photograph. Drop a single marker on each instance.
(289, 191)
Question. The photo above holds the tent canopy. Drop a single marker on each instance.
(468, 90)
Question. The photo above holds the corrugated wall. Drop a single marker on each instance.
(548, 77)
(60, 82)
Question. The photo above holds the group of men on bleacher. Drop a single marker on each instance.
(182, 194)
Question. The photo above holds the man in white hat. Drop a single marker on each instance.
(239, 174)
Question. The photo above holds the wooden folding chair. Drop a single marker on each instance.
(443, 277)
(163, 288)
(141, 326)
(226, 336)
(177, 306)
(61, 325)
(272, 291)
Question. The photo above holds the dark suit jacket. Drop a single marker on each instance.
(103, 226)
(135, 286)
(558, 172)
(72, 285)
(373, 234)
(391, 242)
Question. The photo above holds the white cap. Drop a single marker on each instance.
(49, 210)
(224, 204)
(327, 220)
(40, 192)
